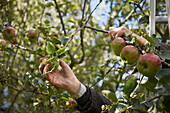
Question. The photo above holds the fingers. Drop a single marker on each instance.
(111, 28)
(63, 64)
(46, 68)
(116, 32)
(120, 33)
(41, 67)
(41, 59)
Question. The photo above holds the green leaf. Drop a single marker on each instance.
(110, 95)
(9, 50)
(165, 54)
(149, 39)
(64, 39)
(135, 103)
(50, 48)
(61, 51)
(163, 86)
(130, 86)
(144, 19)
(150, 84)
(162, 73)
(55, 40)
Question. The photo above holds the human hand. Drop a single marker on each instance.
(120, 32)
(63, 78)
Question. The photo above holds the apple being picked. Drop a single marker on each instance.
(149, 64)
(8, 33)
(117, 45)
(129, 54)
(32, 35)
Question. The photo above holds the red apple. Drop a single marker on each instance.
(129, 54)
(118, 44)
(8, 33)
(32, 35)
(2, 43)
(149, 64)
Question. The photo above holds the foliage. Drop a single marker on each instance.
(76, 31)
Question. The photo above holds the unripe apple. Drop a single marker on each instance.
(8, 33)
(149, 64)
(118, 44)
(2, 43)
(32, 35)
(129, 54)
(14, 41)
(71, 103)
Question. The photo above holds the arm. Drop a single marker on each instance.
(119, 32)
(89, 101)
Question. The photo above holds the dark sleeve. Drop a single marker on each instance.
(91, 102)
(162, 47)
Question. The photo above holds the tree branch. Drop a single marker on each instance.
(103, 76)
(95, 29)
(61, 19)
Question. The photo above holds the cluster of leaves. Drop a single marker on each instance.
(22, 87)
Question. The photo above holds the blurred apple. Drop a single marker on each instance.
(8, 33)
(2, 43)
(71, 103)
(14, 41)
(32, 35)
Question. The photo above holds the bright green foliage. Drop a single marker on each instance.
(88, 52)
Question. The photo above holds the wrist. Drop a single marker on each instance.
(74, 87)
(81, 91)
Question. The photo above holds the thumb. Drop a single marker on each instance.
(63, 64)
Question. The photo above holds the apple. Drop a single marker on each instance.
(129, 54)
(14, 41)
(117, 45)
(2, 43)
(8, 33)
(71, 103)
(32, 35)
(149, 64)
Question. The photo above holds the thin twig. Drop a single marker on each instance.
(131, 107)
(151, 99)
(103, 76)
(73, 36)
(15, 98)
(92, 12)
(26, 49)
(95, 29)
(27, 90)
(61, 19)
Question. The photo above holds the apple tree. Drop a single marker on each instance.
(77, 32)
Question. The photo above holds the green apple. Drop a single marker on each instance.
(117, 45)
(2, 43)
(71, 103)
(129, 54)
(32, 35)
(149, 64)
(8, 33)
